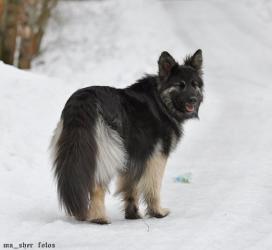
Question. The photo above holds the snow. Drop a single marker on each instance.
(228, 203)
(122, 38)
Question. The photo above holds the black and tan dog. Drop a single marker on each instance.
(105, 131)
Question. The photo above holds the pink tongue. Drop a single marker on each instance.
(190, 107)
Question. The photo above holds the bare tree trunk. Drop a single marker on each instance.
(9, 30)
(46, 11)
(2, 23)
(34, 16)
(22, 25)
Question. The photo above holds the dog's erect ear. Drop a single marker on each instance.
(166, 63)
(195, 60)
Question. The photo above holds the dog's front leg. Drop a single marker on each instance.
(150, 185)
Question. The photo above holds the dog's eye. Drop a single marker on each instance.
(182, 84)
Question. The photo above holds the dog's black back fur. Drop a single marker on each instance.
(144, 114)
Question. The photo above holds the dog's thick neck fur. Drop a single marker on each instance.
(148, 86)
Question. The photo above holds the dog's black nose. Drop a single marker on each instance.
(193, 100)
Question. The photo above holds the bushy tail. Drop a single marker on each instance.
(74, 167)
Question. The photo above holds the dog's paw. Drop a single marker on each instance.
(80, 218)
(160, 213)
(100, 221)
(132, 212)
(133, 216)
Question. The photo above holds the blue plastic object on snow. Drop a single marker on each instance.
(183, 178)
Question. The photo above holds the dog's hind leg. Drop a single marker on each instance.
(97, 210)
(150, 185)
(130, 196)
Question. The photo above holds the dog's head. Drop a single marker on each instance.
(181, 86)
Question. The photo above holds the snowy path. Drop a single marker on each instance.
(233, 152)
(228, 205)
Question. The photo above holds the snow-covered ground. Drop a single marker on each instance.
(228, 204)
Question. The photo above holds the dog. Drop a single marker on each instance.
(105, 132)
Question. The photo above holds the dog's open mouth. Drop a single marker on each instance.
(190, 107)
